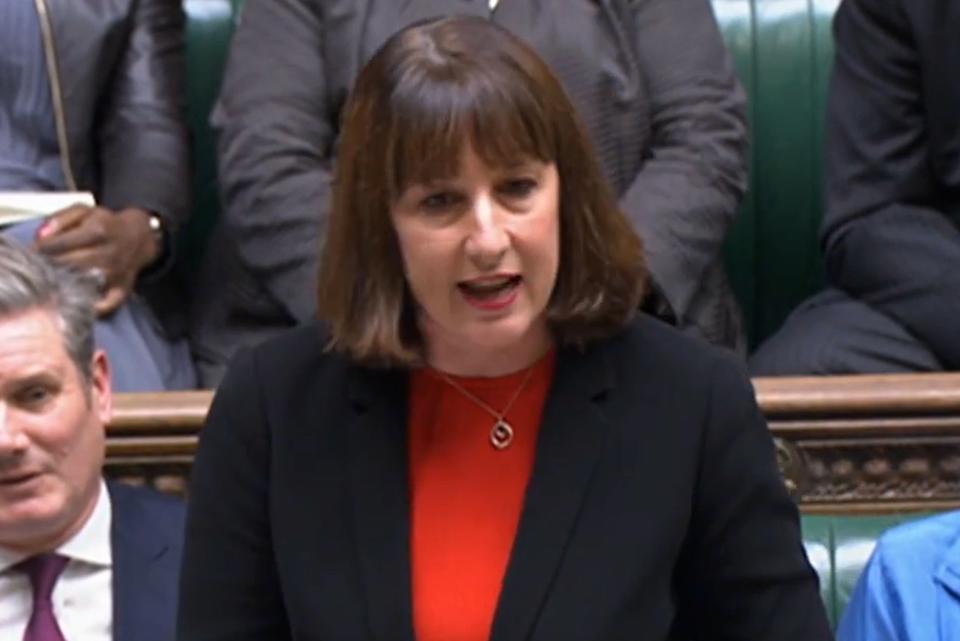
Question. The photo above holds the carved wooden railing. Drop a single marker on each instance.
(867, 443)
(845, 443)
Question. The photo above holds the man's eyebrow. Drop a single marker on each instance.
(37, 377)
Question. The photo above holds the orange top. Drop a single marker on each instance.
(466, 496)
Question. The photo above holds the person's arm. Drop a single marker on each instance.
(276, 136)
(886, 241)
(143, 160)
(871, 613)
(743, 570)
(142, 141)
(229, 588)
(685, 197)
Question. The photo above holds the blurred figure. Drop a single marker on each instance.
(891, 230)
(651, 78)
(910, 589)
(476, 444)
(80, 559)
(91, 99)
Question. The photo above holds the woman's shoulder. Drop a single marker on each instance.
(648, 345)
(297, 357)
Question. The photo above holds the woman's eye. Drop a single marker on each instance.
(440, 201)
(519, 187)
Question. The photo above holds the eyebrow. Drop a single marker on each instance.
(39, 377)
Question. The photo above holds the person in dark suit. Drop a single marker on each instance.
(483, 440)
(79, 558)
(652, 80)
(891, 229)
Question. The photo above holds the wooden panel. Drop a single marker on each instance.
(844, 443)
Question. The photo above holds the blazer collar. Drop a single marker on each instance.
(141, 591)
(571, 439)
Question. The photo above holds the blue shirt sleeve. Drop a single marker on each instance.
(875, 611)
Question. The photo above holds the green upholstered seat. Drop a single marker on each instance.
(838, 548)
(209, 28)
(783, 51)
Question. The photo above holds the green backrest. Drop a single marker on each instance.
(838, 548)
(209, 28)
(783, 51)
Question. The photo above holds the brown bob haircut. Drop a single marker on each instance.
(431, 91)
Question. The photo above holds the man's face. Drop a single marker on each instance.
(51, 434)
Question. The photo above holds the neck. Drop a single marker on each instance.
(458, 358)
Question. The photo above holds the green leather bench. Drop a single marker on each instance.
(782, 49)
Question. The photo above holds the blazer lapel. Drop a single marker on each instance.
(143, 604)
(378, 463)
(571, 439)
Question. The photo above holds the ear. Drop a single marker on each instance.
(100, 386)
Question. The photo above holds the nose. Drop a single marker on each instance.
(488, 240)
(12, 439)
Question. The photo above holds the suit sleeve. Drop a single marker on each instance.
(275, 148)
(887, 243)
(229, 589)
(685, 196)
(143, 147)
(745, 572)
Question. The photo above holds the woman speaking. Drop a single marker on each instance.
(482, 439)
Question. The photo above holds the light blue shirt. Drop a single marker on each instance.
(910, 589)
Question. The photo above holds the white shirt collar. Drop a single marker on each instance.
(91, 544)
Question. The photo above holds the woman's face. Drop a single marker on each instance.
(480, 252)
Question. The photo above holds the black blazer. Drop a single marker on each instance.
(655, 510)
(146, 538)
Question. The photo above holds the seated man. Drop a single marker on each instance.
(91, 100)
(910, 589)
(891, 229)
(79, 559)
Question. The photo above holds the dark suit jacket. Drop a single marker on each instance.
(651, 79)
(147, 540)
(892, 220)
(654, 511)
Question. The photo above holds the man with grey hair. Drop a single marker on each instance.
(80, 559)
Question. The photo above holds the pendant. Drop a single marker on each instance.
(501, 435)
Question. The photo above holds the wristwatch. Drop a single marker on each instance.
(158, 231)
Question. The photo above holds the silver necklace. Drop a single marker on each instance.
(493, 4)
(501, 434)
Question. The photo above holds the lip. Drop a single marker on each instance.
(18, 478)
(480, 280)
(498, 303)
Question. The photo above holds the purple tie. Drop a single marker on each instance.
(43, 570)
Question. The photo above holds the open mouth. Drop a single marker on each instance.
(489, 287)
(490, 293)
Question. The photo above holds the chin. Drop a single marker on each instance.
(502, 333)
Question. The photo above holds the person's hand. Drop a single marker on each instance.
(113, 245)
